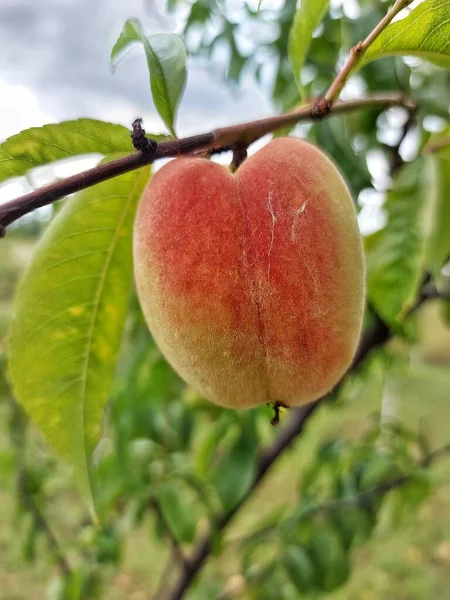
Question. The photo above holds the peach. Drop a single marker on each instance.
(252, 284)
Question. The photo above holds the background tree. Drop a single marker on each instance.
(163, 456)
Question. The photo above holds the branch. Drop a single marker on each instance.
(357, 52)
(237, 135)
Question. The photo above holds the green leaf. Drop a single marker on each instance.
(82, 582)
(307, 18)
(42, 145)
(379, 470)
(208, 442)
(416, 490)
(395, 255)
(70, 314)
(425, 32)
(199, 14)
(352, 524)
(166, 60)
(329, 558)
(236, 471)
(333, 137)
(300, 568)
(438, 245)
(178, 516)
(29, 542)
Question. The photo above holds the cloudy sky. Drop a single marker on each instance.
(55, 65)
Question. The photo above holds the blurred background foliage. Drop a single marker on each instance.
(169, 462)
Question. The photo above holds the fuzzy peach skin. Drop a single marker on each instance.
(252, 284)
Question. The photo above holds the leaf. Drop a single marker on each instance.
(235, 473)
(416, 490)
(42, 145)
(178, 516)
(329, 557)
(69, 318)
(306, 19)
(333, 136)
(166, 60)
(208, 443)
(379, 470)
(395, 255)
(300, 568)
(438, 245)
(352, 524)
(425, 32)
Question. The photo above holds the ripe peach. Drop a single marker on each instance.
(252, 284)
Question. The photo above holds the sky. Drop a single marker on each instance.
(55, 65)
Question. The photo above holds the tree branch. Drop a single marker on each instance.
(243, 135)
(357, 52)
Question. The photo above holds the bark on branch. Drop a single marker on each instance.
(241, 135)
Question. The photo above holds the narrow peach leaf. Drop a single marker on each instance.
(69, 318)
(39, 146)
(307, 18)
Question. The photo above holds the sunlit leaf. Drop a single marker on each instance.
(396, 256)
(438, 245)
(42, 145)
(166, 60)
(70, 314)
(307, 18)
(425, 32)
